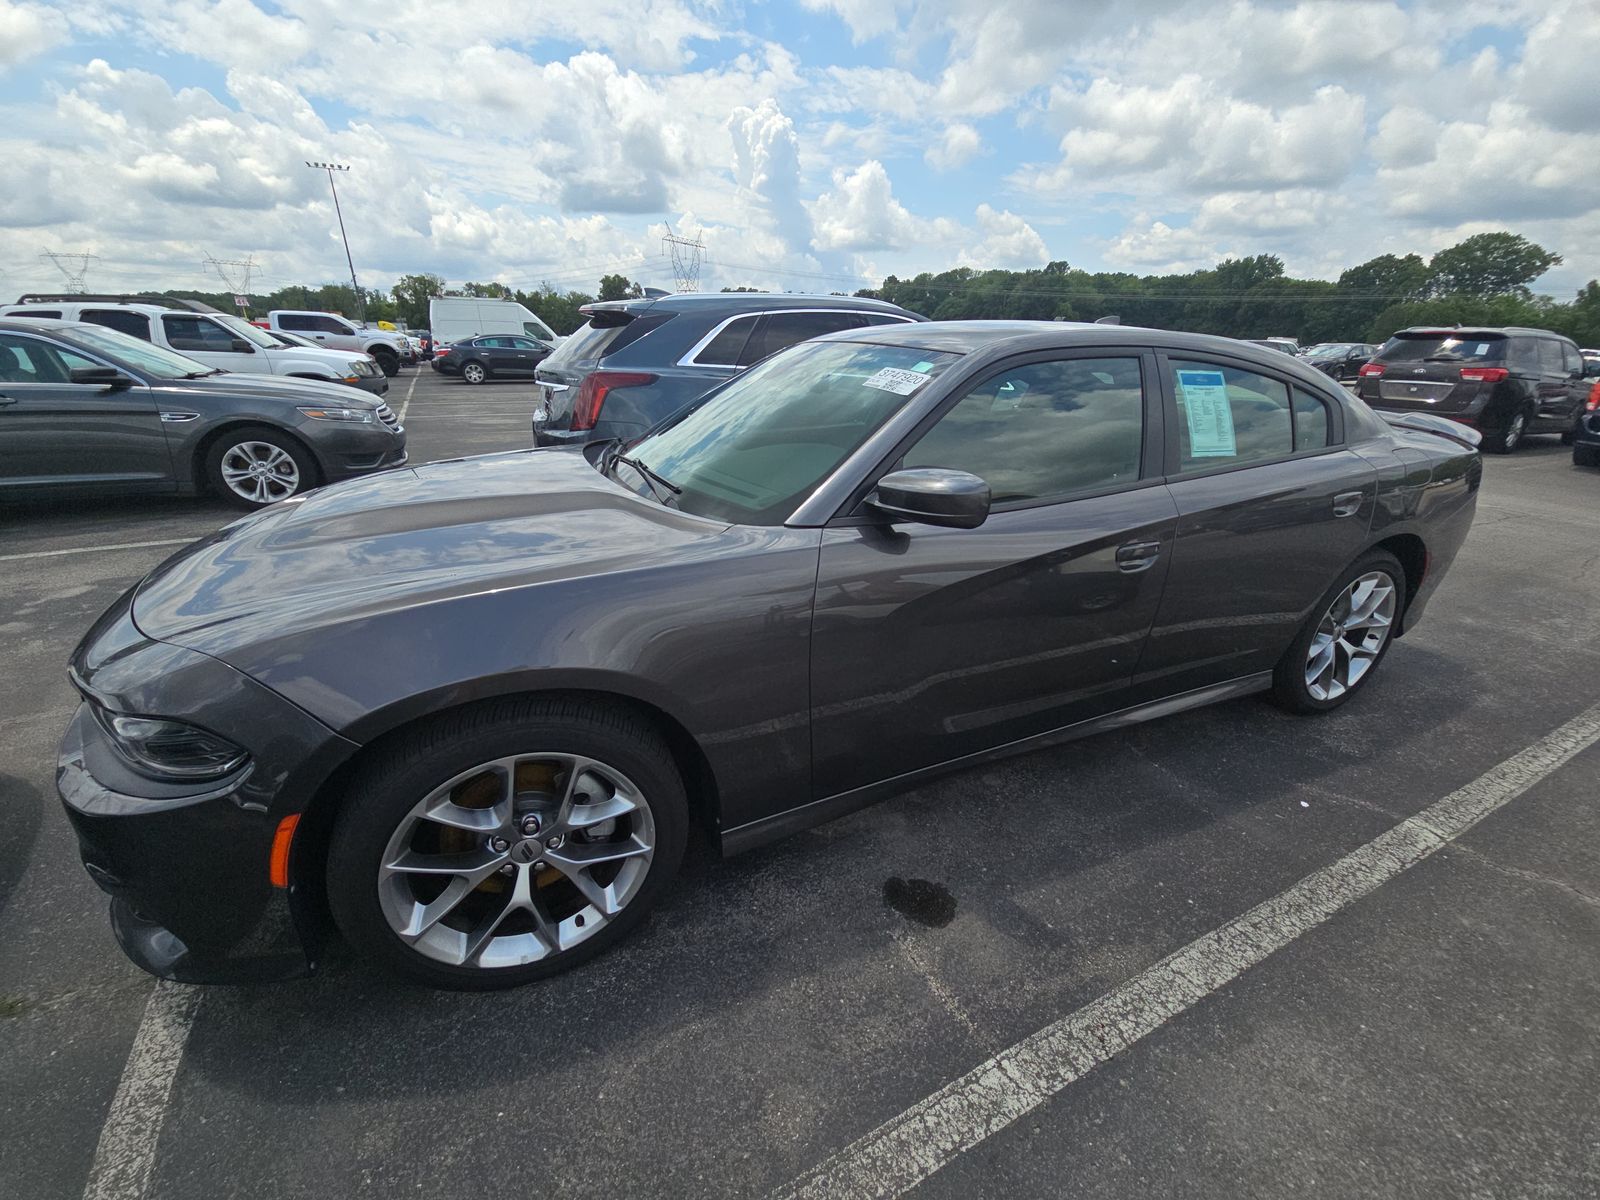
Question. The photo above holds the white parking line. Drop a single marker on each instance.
(125, 1158)
(909, 1148)
(406, 403)
(183, 541)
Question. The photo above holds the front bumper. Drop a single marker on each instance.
(344, 451)
(377, 384)
(187, 866)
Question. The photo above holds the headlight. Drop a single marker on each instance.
(170, 750)
(361, 416)
(361, 367)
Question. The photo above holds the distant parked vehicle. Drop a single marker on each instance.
(457, 318)
(637, 362)
(217, 339)
(326, 329)
(1507, 382)
(1284, 345)
(1339, 360)
(495, 356)
(1586, 435)
(86, 407)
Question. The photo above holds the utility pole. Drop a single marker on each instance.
(330, 168)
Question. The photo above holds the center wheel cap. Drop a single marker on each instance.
(526, 851)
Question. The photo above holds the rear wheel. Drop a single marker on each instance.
(474, 372)
(1508, 437)
(1346, 638)
(256, 466)
(507, 842)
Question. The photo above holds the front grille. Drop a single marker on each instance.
(386, 415)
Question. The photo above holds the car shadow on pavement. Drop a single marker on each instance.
(23, 806)
(1077, 866)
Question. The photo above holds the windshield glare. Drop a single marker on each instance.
(142, 356)
(1447, 347)
(749, 452)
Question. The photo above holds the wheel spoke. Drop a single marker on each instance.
(473, 863)
(425, 916)
(582, 816)
(583, 855)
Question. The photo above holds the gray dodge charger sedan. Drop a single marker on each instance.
(469, 711)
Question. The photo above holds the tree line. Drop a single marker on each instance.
(1483, 280)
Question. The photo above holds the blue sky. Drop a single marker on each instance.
(812, 143)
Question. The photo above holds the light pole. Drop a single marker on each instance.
(330, 168)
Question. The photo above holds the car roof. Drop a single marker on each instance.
(1482, 331)
(727, 303)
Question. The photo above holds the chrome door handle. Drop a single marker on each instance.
(1347, 504)
(1137, 556)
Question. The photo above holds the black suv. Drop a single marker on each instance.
(1507, 382)
(639, 361)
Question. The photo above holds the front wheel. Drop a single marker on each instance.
(256, 466)
(1346, 638)
(387, 359)
(474, 372)
(506, 843)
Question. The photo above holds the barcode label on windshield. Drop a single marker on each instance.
(891, 379)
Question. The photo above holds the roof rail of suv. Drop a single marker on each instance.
(108, 298)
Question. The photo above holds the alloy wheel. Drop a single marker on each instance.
(1514, 430)
(516, 860)
(260, 472)
(1351, 635)
(473, 373)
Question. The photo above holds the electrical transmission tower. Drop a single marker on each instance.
(686, 254)
(74, 266)
(235, 274)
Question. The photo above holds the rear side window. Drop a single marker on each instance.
(195, 333)
(724, 349)
(1551, 361)
(295, 321)
(31, 312)
(1571, 359)
(779, 331)
(1227, 415)
(26, 360)
(327, 324)
(1313, 423)
(881, 319)
(123, 320)
(1445, 345)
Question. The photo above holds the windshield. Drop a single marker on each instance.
(250, 333)
(140, 355)
(749, 452)
(1451, 346)
(1330, 350)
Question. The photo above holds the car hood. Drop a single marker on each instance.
(285, 389)
(406, 538)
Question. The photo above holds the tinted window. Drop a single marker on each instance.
(27, 360)
(880, 319)
(296, 321)
(1571, 359)
(195, 333)
(779, 331)
(327, 324)
(1228, 415)
(29, 312)
(727, 346)
(123, 320)
(1551, 360)
(1444, 346)
(1046, 429)
(589, 343)
(520, 343)
(1313, 423)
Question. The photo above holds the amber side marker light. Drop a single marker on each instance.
(278, 868)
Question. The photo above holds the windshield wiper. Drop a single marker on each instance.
(650, 476)
(205, 374)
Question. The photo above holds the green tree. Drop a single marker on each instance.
(411, 295)
(1490, 264)
(619, 287)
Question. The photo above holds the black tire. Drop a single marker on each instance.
(1289, 688)
(1569, 437)
(1586, 456)
(473, 371)
(223, 448)
(1509, 436)
(387, 359)
(403, 770)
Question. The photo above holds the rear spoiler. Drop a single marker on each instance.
(1417, 422)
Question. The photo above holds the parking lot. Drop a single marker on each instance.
(1432, 1037)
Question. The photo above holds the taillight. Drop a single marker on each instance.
(1370, 370)
(1594, 399)
(1483, 374)
(594, 389)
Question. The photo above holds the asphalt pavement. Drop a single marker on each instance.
(1433, 1036)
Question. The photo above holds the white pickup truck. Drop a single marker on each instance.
(217, 339)
(336, 333)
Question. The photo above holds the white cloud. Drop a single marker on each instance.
(1007, 241)
(955, 148)
(861, 213)
(27, 30)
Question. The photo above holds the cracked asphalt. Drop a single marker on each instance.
(1437, 1038)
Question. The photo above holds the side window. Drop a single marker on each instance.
(328, 324)
(1571, 359)
(1550, 357)
(1228, 415)
(195, 333)
(522, 343)
(779, 331)
(296, 321)
(27, 360)
(881, 319)
(727, 346)
(1046, 429)
(1313, 423)
(34, 312)
(123, 320)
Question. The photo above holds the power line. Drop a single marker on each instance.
(74, 265)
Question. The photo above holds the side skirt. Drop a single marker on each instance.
(770, 829)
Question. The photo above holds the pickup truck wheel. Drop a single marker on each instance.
(256, 466)
(387, 359)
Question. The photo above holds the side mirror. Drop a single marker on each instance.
(240, 346)
(100, 377)
(933, 496)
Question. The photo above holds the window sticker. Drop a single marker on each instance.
(1210, 417)
(1483, 348)
(892, 379)
(922, 368)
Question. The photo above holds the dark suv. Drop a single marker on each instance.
(638, 361)
(1507, 382)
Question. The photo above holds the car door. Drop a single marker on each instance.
(929, 644)
(1271, 507)
(54, 431)
(205, 341)
(525, 355)
(1551, 397)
